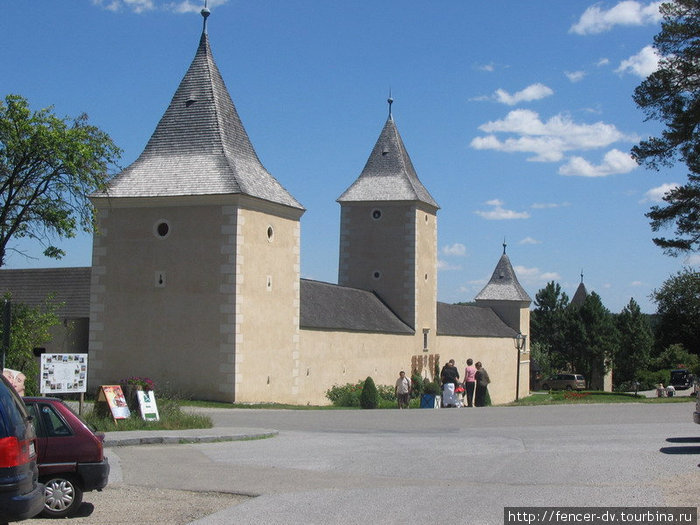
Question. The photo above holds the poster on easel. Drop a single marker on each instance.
(114, 397)
(147, 405)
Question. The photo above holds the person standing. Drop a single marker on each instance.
(403, 390)
(482, 383)
(450, 378)
(469, 382)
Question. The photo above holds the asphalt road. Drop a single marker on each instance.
(415, 466)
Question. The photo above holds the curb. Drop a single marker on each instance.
(165, 437)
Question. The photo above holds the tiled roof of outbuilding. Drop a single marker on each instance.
(504, 285)
(333, 307)
(470, 321)
(389, 174)
(68, 285)
(199, 146)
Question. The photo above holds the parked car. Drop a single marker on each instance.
(21, 495)
(564, 382)
(71, 455)
(681, 379)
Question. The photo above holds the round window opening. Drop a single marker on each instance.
(376, 214)
(377, 275)
(162, 229)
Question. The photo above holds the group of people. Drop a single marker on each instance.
(474, 388)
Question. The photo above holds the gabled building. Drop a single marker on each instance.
(195, 278)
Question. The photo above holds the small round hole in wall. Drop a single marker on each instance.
(161, 229)
(376, 214)
(270, 233)
(377, 275)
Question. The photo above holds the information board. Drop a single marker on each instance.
(147, 405)
(114, 397)
(63, 373)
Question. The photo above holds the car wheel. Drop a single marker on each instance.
(568, 387)
(62, 497)
(545, 386)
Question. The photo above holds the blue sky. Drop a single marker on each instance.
(518, 117)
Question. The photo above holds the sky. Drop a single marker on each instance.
(518, 117)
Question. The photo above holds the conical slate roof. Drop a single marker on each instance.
(580, 294)
(199, 146)
(389, 174)
(504, 285)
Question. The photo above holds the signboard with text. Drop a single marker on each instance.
(147, 405)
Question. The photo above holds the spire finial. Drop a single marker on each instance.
(504, 245)
(581, 275)
(390, 100)
(205, 14)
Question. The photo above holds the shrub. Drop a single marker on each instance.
(347, 395)
(370, 396)
(432, 388)
(416, 385)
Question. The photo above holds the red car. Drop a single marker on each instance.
(70, 456)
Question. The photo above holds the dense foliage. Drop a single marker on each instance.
(678, 307)
(671, 95)
(30, 328)
(48, 167)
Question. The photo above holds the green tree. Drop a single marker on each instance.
(591, 337)
(369, 397)
(678, 311)
(48, 167)
(30, 328)
(672, 95)
(547, 325)
(636, 341)
(675, 356)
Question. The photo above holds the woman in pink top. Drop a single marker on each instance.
(469, 382)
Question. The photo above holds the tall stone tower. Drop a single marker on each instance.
(197, 256)
(388, 235)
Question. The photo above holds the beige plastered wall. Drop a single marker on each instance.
(336, 358)
(267, 288)
(175, 307)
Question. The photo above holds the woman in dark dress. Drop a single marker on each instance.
(482, 383)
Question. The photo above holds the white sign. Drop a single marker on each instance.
(147, 405)
(63, 373)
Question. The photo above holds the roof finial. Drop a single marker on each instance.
(390, 100)
(581, 275)
(504, 245)
(205, 14)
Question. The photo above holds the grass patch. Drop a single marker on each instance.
(171, 418)
(590, 397)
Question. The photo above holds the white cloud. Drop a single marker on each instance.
(529, 240)
(456, 249)
(499, 213)
(532, 92)
(534, 275)
(627, 13)
(636, 283)
(575, 76)
(489, 68)
(547, 140)
(549, 205)
(444, 266)
(614, 162)
(692, 260)
(657, 194)
(603, 62)
(142, 6)
(642, 64)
